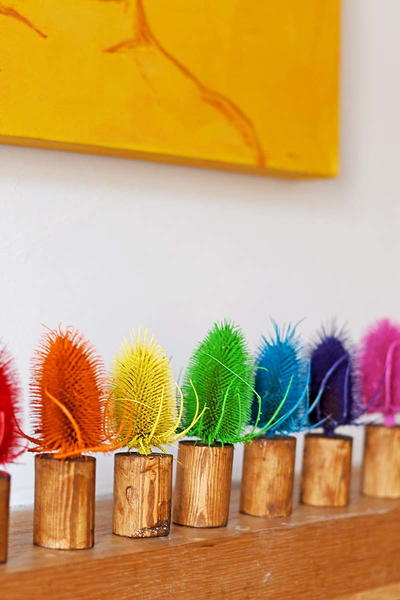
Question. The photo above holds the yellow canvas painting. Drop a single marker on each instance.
(249, 85)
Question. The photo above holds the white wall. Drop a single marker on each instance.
(108, 244)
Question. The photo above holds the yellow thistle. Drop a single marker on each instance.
(143, 396)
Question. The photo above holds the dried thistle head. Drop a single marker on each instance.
(220, 377)
(281, 382)
(143, 396)
(379, 369)
(332, 382)
(10, 439)
(68, 395)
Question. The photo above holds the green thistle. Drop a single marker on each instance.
(220, 374)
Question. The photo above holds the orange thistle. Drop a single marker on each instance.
(68, 396)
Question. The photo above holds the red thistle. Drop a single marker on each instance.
(10, 439)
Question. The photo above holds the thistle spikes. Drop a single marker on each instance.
(379, 369)
(332, 383)
(143, 396)
(281, 373)
(10, 439)
(68, 395)
(220, 378)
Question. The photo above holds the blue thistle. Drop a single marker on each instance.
(281, 383)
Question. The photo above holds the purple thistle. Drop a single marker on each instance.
(332, 378)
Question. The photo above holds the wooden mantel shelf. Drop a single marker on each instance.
(315, 554)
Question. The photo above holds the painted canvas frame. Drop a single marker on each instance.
(237, 84)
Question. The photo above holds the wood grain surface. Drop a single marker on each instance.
(314, 554)
(389, 592)
(5, 480)
(203, 484)
(64, 502)
(268, 476)
(326, 474)
(381, 471)
(142, 494)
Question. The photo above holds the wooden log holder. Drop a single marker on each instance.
(142, 494)
(381, 467)
(316, 553)
(326, 470)
(5, 481)
(64, 502)
(203, 484)
(268, 477)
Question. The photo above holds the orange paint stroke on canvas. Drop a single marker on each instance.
(143, 36)
(14, 14)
